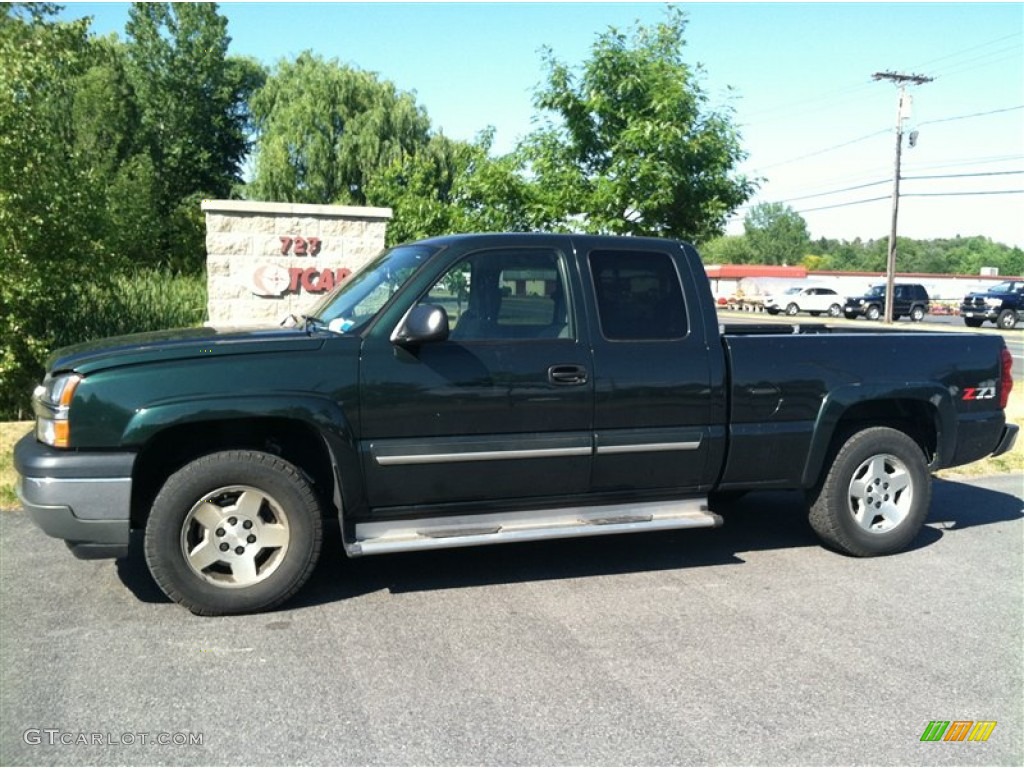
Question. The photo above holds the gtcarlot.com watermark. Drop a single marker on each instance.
(52, 737)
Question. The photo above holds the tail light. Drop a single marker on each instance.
(1006, 379)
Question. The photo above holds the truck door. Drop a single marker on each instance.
(501, 411)
(657, 417)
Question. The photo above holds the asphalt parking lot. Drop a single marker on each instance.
(748, 644)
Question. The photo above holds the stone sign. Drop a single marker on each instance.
(268, 260)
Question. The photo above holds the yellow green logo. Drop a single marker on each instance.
(958, 730)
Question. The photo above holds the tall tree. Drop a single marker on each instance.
(325, 130)
(454, 186)
(776, 234)
(51, 209)
(632, 145)
(193, 104)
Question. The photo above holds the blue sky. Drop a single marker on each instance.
(797, 75)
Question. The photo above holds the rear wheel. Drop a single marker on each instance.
(875, 497)
(233, 532)
(917, 314)
(1007, 319)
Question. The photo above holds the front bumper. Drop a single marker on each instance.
(973, 310)
(83, 498)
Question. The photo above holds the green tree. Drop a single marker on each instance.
(193, 105)
(776, 234)
(51, 204)
(325, 130)
(728, 249)
(631, 144)
(454, 186)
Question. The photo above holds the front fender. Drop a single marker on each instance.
(838, 403)
(322, 414)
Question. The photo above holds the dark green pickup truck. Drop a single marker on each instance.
(481, 389)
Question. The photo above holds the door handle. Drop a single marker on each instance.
(567, 374)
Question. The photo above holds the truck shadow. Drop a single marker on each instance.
(756, 522)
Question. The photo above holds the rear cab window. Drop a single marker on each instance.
(639, 295)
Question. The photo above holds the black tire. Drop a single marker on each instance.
(873, 312)
(835, 310)
(875, 496)
(259, 512)
(917, 314)
(1007, 319)
(973, 322)
(792, 309)
(850, 315)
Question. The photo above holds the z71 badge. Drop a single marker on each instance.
(979, 393)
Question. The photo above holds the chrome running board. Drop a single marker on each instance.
(376, 538)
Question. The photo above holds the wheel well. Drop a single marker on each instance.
(173, 448)
(915, 418)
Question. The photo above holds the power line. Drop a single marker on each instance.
(823, 151)
(855, 187)
(965, 194)
(973, 114)
(966, 50)
(844, 205)
(837, 191)
(963, 175)
(960, 162)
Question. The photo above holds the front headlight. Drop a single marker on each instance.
(51, 402)
(993, 302)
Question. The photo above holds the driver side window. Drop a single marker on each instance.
(505, 294)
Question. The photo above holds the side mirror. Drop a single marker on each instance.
(425, 323)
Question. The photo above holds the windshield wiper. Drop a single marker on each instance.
(311, 323)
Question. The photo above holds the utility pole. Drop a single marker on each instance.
(902, 112)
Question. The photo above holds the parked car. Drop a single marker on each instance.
(578, 386)
(815, 300)
(1002, 304)
(910, 300)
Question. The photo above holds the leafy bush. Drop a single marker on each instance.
(144, 300)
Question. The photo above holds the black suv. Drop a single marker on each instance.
(1002, 304)
(911, 300)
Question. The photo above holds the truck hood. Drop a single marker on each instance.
(180, 344)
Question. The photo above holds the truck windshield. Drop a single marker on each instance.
(353, 304)
(877, 290)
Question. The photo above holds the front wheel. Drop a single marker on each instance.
(973, 322)
(875, 497)
(1007, 319)
(873, 312)
(792, 309)
(835, 310)
(233, 532)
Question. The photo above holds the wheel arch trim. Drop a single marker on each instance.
(838, 403)
(323, 416)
